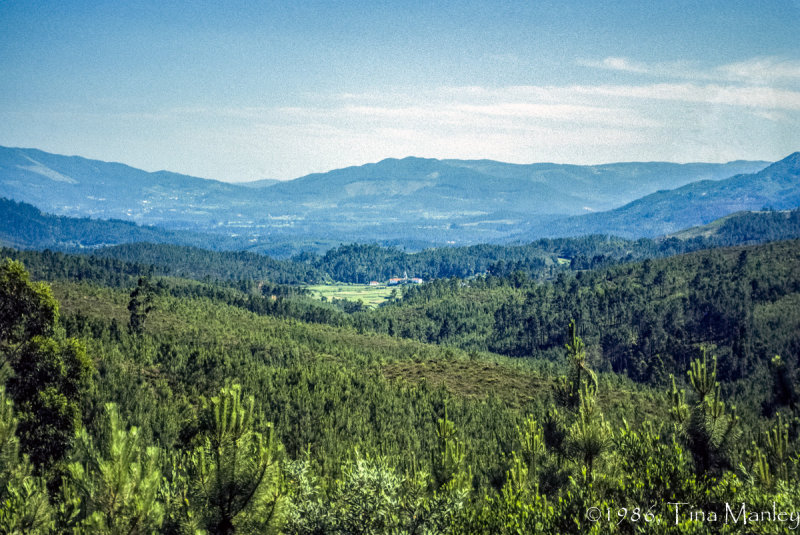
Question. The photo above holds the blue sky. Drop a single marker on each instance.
(249, 90)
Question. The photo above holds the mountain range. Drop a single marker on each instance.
(414, 202)
(776, 187)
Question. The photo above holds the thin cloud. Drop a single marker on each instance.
(617, 64)
(619, 99)
(758, 70)
(764, 69)
(489, 111)
(672, 69)
(767, 98)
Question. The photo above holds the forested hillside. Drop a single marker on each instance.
(196, 263)
(185, 405)
(25, 226)
(545, 258)
(362, 322)
(643, 319)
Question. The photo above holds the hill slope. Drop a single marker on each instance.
(25, 226)
(698, 203)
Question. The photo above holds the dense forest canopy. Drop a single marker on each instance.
(199, 392)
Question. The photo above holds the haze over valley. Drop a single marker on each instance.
(412, 202)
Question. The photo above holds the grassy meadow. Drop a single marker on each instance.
(371, 296)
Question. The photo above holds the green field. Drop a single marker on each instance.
(371, 296)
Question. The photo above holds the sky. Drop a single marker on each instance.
(250, 90)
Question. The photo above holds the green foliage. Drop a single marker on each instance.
(50, 374)
(113, 486)
(140, 305)
(366, 499)
(205, 265)
(370, 496)
(709, 430)
(773, 457)
(532, 450)
(449, 472)
(27, 309)
(51, 377)
(372, 433)
(24, 504)
(784, 387)
(580, 378)
(590, 435)
(235, 471)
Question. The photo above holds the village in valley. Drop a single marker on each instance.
(395, 281)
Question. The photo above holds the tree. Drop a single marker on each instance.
(51, 374)
(24, 507)
(26, 309)
(236, 470)
(449, 472)
(50, 379)
(784, 389)
(140, 304)
(587, 439)
(568, 390)
(590, 435)
(708, 429)
(114, 483)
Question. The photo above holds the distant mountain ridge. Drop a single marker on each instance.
(420, 201)
(76, 186)
(777, 186)
(263, 183)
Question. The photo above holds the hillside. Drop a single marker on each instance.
(186, 254)
(644, 319)
(602, 187)
(698, 203)
(75, 186)
(24, 226)
(747, 227)
(331, 423)
(200, 264)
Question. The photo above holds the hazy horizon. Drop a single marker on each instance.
(235, 92)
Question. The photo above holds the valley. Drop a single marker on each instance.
(456, 389)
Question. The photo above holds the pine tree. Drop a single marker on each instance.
(235, 473)
(709, 430)
(140, 304)
(771, 460)
(24, 505)
(590, 435)
(113, 486)
(784, 389)
(568, 390)
(587, 438)
(449, 471)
